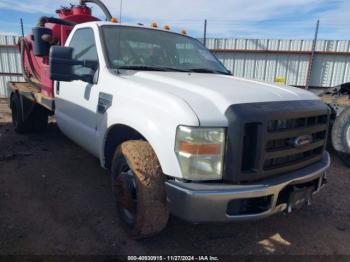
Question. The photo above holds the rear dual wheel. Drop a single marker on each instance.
(341, 136)
(139, 188)
(36, 120)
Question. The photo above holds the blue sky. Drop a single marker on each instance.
(226, 18)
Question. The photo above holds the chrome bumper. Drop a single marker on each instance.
(207, 202)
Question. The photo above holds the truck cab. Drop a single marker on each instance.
(180, 134)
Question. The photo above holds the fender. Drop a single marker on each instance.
(157, 127)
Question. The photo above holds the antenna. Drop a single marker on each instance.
(205, 33)
(121, 11)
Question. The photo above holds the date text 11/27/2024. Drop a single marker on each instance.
(173, 258)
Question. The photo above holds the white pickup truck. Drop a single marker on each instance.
(179, 133)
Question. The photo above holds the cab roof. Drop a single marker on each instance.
(104, 23)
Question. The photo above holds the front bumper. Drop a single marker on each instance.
(209, 202)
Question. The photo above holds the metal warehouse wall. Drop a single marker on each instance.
(285, 60)
(10, 68)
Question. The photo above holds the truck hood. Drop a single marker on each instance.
(209, 95)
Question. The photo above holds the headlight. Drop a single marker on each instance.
(200, 152)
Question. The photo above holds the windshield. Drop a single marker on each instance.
(148, 49)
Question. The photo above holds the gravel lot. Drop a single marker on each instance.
(55, 199)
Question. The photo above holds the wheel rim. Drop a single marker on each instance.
(127, 194)
(348, 137)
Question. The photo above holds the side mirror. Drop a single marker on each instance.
(62, 64)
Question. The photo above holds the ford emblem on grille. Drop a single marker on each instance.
(302, 140)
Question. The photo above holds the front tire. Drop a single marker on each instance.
(139, 188)
(341, 136)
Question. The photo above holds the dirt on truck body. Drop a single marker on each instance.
(56, 200)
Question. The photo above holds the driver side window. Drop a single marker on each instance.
(84, 46)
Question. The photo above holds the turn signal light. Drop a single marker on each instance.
(114, 20)
(167, 27)
(199, 149)
(184, 32)
(154, 25)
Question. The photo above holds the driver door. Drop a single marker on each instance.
(76, 101)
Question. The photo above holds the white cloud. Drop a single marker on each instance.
(26, 6)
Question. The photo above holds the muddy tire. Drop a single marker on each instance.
(139, 189)
(34, 121)
(341, 136)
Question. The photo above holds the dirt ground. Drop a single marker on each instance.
(55, 199)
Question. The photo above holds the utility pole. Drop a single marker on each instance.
(312, 56)
(22, 27)
(205, 33)
(121, 11)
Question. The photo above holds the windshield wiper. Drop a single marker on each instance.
(207, 70)
(151, 68)
(169, 69)
(176, 69)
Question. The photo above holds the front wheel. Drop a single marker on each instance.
(341, 136)
(139, 188)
